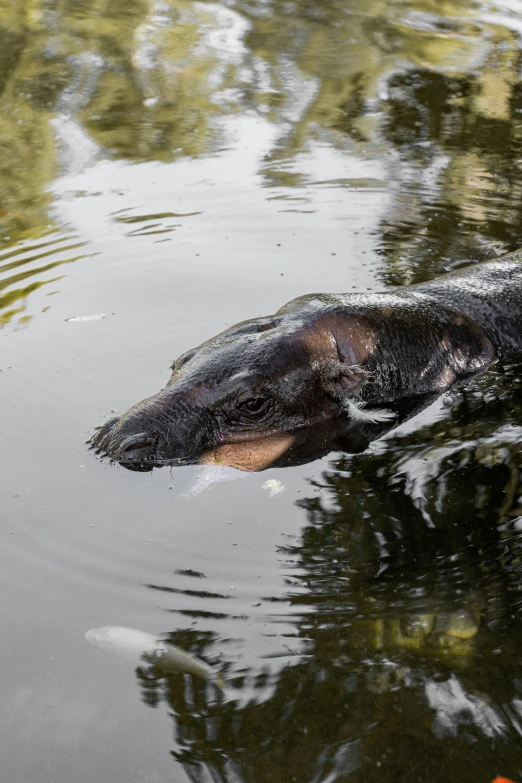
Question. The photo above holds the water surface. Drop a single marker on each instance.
(177, 167)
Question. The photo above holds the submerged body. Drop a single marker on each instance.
(326, 372)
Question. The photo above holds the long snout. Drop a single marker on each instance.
(157, 431)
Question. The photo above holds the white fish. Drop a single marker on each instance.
(142, 647)
(94, 317)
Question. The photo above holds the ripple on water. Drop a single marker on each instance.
(19, 266)
(148, 225)
(112, 572)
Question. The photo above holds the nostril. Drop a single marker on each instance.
(142, 440)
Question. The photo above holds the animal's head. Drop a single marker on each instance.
(265, 392)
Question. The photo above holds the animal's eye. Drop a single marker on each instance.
(253, 405)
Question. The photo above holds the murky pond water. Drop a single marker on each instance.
(179, 166)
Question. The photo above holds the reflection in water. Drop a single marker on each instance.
(461, 133)
(19, 266)
(438, 98)
(406, 592)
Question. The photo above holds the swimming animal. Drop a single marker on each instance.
(327, 372)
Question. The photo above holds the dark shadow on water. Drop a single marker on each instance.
(409, 623)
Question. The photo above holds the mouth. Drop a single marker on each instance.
(137, 452)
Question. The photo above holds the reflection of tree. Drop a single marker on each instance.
(145, 81)
(29, 82)
(341, 57)
(152, 98)
(452, 122)
(450, 127)
(402, 545)
(148, 80)
(88, 60)
(33, 73)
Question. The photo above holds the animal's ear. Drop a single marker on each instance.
(340, 379)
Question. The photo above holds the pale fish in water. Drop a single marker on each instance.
(142, 647)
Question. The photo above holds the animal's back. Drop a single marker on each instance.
(491, 294)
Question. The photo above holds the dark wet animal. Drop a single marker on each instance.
(327, 372)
